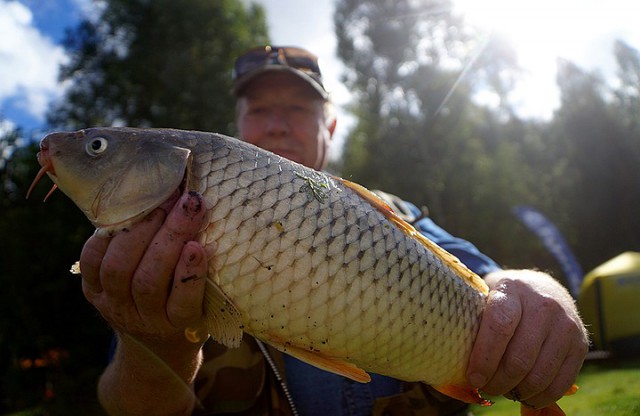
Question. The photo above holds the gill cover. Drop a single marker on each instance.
(153, 173)
(115, 176)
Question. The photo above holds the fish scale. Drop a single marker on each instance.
(356, 242)
(314, 265)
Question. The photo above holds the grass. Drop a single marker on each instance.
(607, 388)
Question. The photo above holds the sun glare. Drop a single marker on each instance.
(540, 31)
(549, 23)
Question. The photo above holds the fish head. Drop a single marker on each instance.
(114, 175)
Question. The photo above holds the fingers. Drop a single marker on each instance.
(530, 344)
(533, 354)
(122, 258)
(152, 279)
(559, 385)
(557, 365)
(90, 262)
(130, 277)
(185, 303)
(499, 322)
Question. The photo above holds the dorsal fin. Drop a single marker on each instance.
(452, 261)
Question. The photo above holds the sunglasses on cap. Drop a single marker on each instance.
(263, 58)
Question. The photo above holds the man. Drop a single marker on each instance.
(530, 346)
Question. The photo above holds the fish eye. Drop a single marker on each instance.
(96, 146)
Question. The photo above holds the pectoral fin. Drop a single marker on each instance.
(224, 321)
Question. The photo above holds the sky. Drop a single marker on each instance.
(582, 31)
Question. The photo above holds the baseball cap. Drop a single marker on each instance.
(261, 59)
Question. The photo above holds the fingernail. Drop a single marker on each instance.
(191, 256)
(192, 203)
(477, 380)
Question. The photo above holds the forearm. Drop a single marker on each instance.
(141, 382)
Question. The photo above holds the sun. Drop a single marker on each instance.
(540, 32)
(535, 28)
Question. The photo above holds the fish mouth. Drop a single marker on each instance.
(44, 159)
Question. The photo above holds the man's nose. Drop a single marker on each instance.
(278, 122)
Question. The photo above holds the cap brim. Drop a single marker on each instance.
(242, 82)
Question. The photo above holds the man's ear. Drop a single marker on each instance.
(332, 126)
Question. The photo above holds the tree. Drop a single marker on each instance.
(142, 63)
(157, 64)
(597, 142)
(413, 69)
(52, 342)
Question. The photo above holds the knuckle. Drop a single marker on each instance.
(89, 293)
(582, 348)
(549, 305)
(503, 313)
(555, 392)
(536, 382)
(502, 321)
(516, 366)
(144, 283)
(580, 337)
(109, 269)
(181, 315)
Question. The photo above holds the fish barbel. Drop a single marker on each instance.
(318, 267)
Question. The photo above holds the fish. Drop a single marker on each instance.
(317, 266)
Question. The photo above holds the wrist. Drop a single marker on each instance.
(175, 352)
(150, 377)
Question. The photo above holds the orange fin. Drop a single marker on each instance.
(572, 390)
(464, 393)
(333, 365)
(551, 410)
(467, 275)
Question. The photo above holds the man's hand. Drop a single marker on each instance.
(148, 281)
(531, 343)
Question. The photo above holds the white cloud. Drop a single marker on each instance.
(29, 61)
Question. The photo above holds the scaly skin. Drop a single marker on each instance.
(316, 266)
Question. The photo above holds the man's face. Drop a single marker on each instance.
(280, 112)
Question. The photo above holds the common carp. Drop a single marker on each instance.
(314, 265)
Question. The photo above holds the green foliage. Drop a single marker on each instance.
(158, 63)
(601, 152)
(413, 89)
(52, 342)
(414, 68)
(142, 63)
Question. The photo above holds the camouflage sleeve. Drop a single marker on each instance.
(237, 381)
